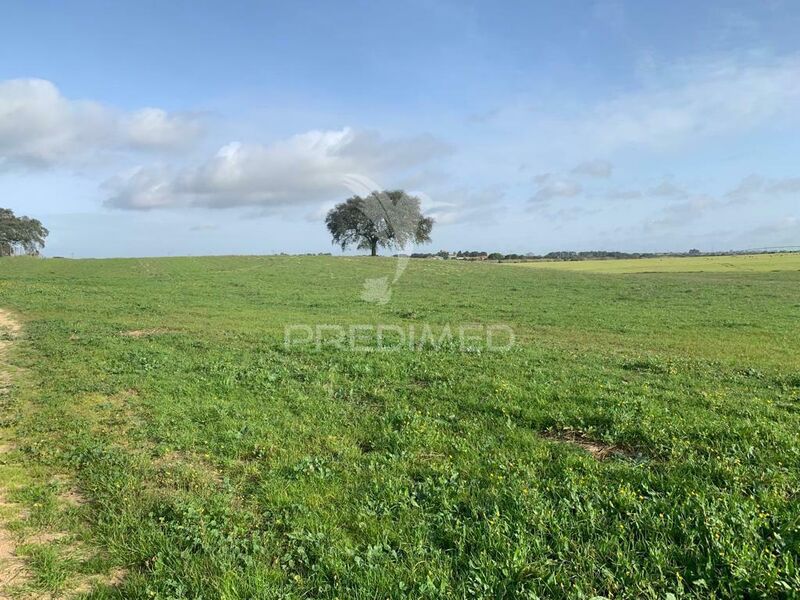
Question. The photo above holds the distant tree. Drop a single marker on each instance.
(563, 255)
(386, 219)
(495, 256)
(694, 252)
(20, 234)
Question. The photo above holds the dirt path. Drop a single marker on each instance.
(15, 575)
(12, 568)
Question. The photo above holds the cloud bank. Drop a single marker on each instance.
(304, 168)
(594, 168)
(693, 100)
(40, 128)
(552, 186)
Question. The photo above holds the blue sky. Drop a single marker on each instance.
(186, 128)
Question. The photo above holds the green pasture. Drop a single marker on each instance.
(641, 439)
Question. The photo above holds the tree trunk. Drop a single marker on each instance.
(374, 247)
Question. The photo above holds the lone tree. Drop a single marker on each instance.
(20, 235)
(386, 219)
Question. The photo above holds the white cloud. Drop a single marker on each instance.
(755, 187)
(142, 188)
(623, 194)
(154, 128)
(464, 205)
(744, 190)
(39, 127)
(690, 101)
(369, 148)
(783, 224)
(552, 186)
(749, 191)
(774, 233)
(594, 168)
(304, 168)
(790, 185)
(684, 212)
(667, 189)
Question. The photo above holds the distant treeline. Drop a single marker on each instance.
(569, 255)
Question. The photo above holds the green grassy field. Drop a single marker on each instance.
(640, 440)
(755, 263)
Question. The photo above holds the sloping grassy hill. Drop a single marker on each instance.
(640, 438)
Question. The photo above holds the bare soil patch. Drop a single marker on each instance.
(68, 495)
(8, 324)
(9, 330)
(13, 570)
(188, 469)
(599, 450)
(140, 333)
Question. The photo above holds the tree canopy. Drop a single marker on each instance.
(20, 235)
(388, 219)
